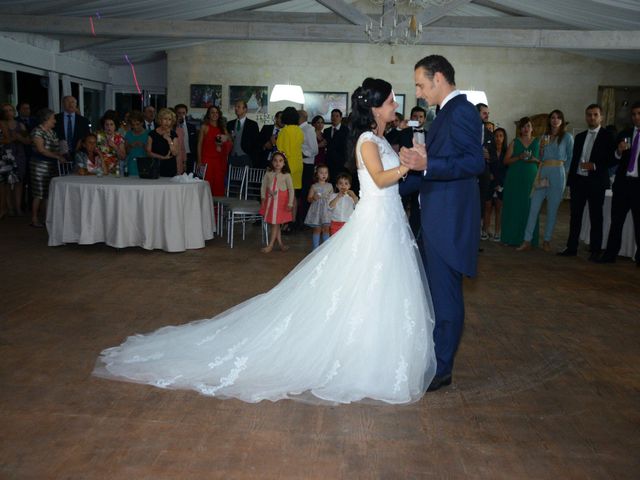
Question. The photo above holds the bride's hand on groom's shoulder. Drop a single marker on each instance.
(414, 158)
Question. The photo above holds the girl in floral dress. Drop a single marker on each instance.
(319, 217)
(277, 199)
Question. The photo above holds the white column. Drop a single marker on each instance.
(54, 91)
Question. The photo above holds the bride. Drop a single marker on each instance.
(351, 322)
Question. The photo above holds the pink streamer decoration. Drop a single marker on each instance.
(133, 70)
(93, 30)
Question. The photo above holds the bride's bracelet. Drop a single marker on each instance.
(403, 177)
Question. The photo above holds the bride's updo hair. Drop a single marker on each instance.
(372, 93)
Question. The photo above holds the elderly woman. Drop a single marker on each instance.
(522, 160)
(162, 144)
(43, 164)
(110, 142)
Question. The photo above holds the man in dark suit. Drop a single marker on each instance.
(268, 137)
(336, 136)
(449, 167)
(70, 125)
(405, 139)
(626, 189)
(25, 117)
(149, 114)
(394, 132)
(190, 135)
(245, 134)
(589, 179)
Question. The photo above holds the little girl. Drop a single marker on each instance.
(277, 198)
(319, 217)
(342, 203)
(89, 160)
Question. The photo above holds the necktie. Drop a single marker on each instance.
(634, 152)
(333, 132)
(69, 130)
(588, 145)
(148, 125)
(237, 125)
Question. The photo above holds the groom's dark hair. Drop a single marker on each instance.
(437, 63)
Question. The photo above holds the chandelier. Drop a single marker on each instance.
(395, 28)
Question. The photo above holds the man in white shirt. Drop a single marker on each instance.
(626, 189)
(588, 180)
(309, 152)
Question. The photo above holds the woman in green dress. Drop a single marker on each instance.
(522, 162)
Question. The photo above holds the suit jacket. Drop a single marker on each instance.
(405, 137)
(336, 149)
(250, 138)
(80, 130)
(602, 154)
(623, 163)
(265, 135)
(449, 198)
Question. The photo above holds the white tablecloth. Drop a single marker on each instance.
(628, 246)
(127, 212)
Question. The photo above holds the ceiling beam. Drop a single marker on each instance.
(346, 11)
(436, 12)
(223, 30)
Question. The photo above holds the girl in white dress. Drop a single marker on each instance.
(373, 340)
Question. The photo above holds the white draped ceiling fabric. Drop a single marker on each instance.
(146, 29)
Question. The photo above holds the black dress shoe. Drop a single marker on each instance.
(567, 253)
(594, 257)
(438, 382)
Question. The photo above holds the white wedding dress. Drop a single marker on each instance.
(351, 322)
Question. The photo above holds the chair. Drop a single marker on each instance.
(200, 171)
(235, 186)
(247, 209)
(65, 168)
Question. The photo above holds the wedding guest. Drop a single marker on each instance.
(268, 138)
(555, 153)
(25, 117)
(110, 142)
(44, 162)
(125, 124)
(71, 127)
(289, 142)
(7, 165)
(318, 125)
(149, 114)
(135, 141)
(522, 160)
(497, 171)
(626, 189)
(18, 139)
(162, 144)
(309, 152)
(88, 159)
(342, 204)
(277, 199)
(319, 216)
(188, 135)
(588, 179)
(214, 146)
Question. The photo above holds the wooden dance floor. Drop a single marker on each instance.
(546, 384)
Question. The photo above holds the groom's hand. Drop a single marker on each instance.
(414, 158)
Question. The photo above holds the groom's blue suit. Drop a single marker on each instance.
(450, 219)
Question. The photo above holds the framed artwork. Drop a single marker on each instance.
(257, 98)
(431, 112)
(400, 101)
(321, 103)
(204, 96)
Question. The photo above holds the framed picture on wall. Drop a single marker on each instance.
(204, 96)
(431, 111)
(400, 102)
(321, 103)
(257, 98)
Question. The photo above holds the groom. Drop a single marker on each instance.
(449, 196)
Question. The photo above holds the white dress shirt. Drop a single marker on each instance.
(310, 144)
(586, 150)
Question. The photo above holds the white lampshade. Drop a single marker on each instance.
(293, 93)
